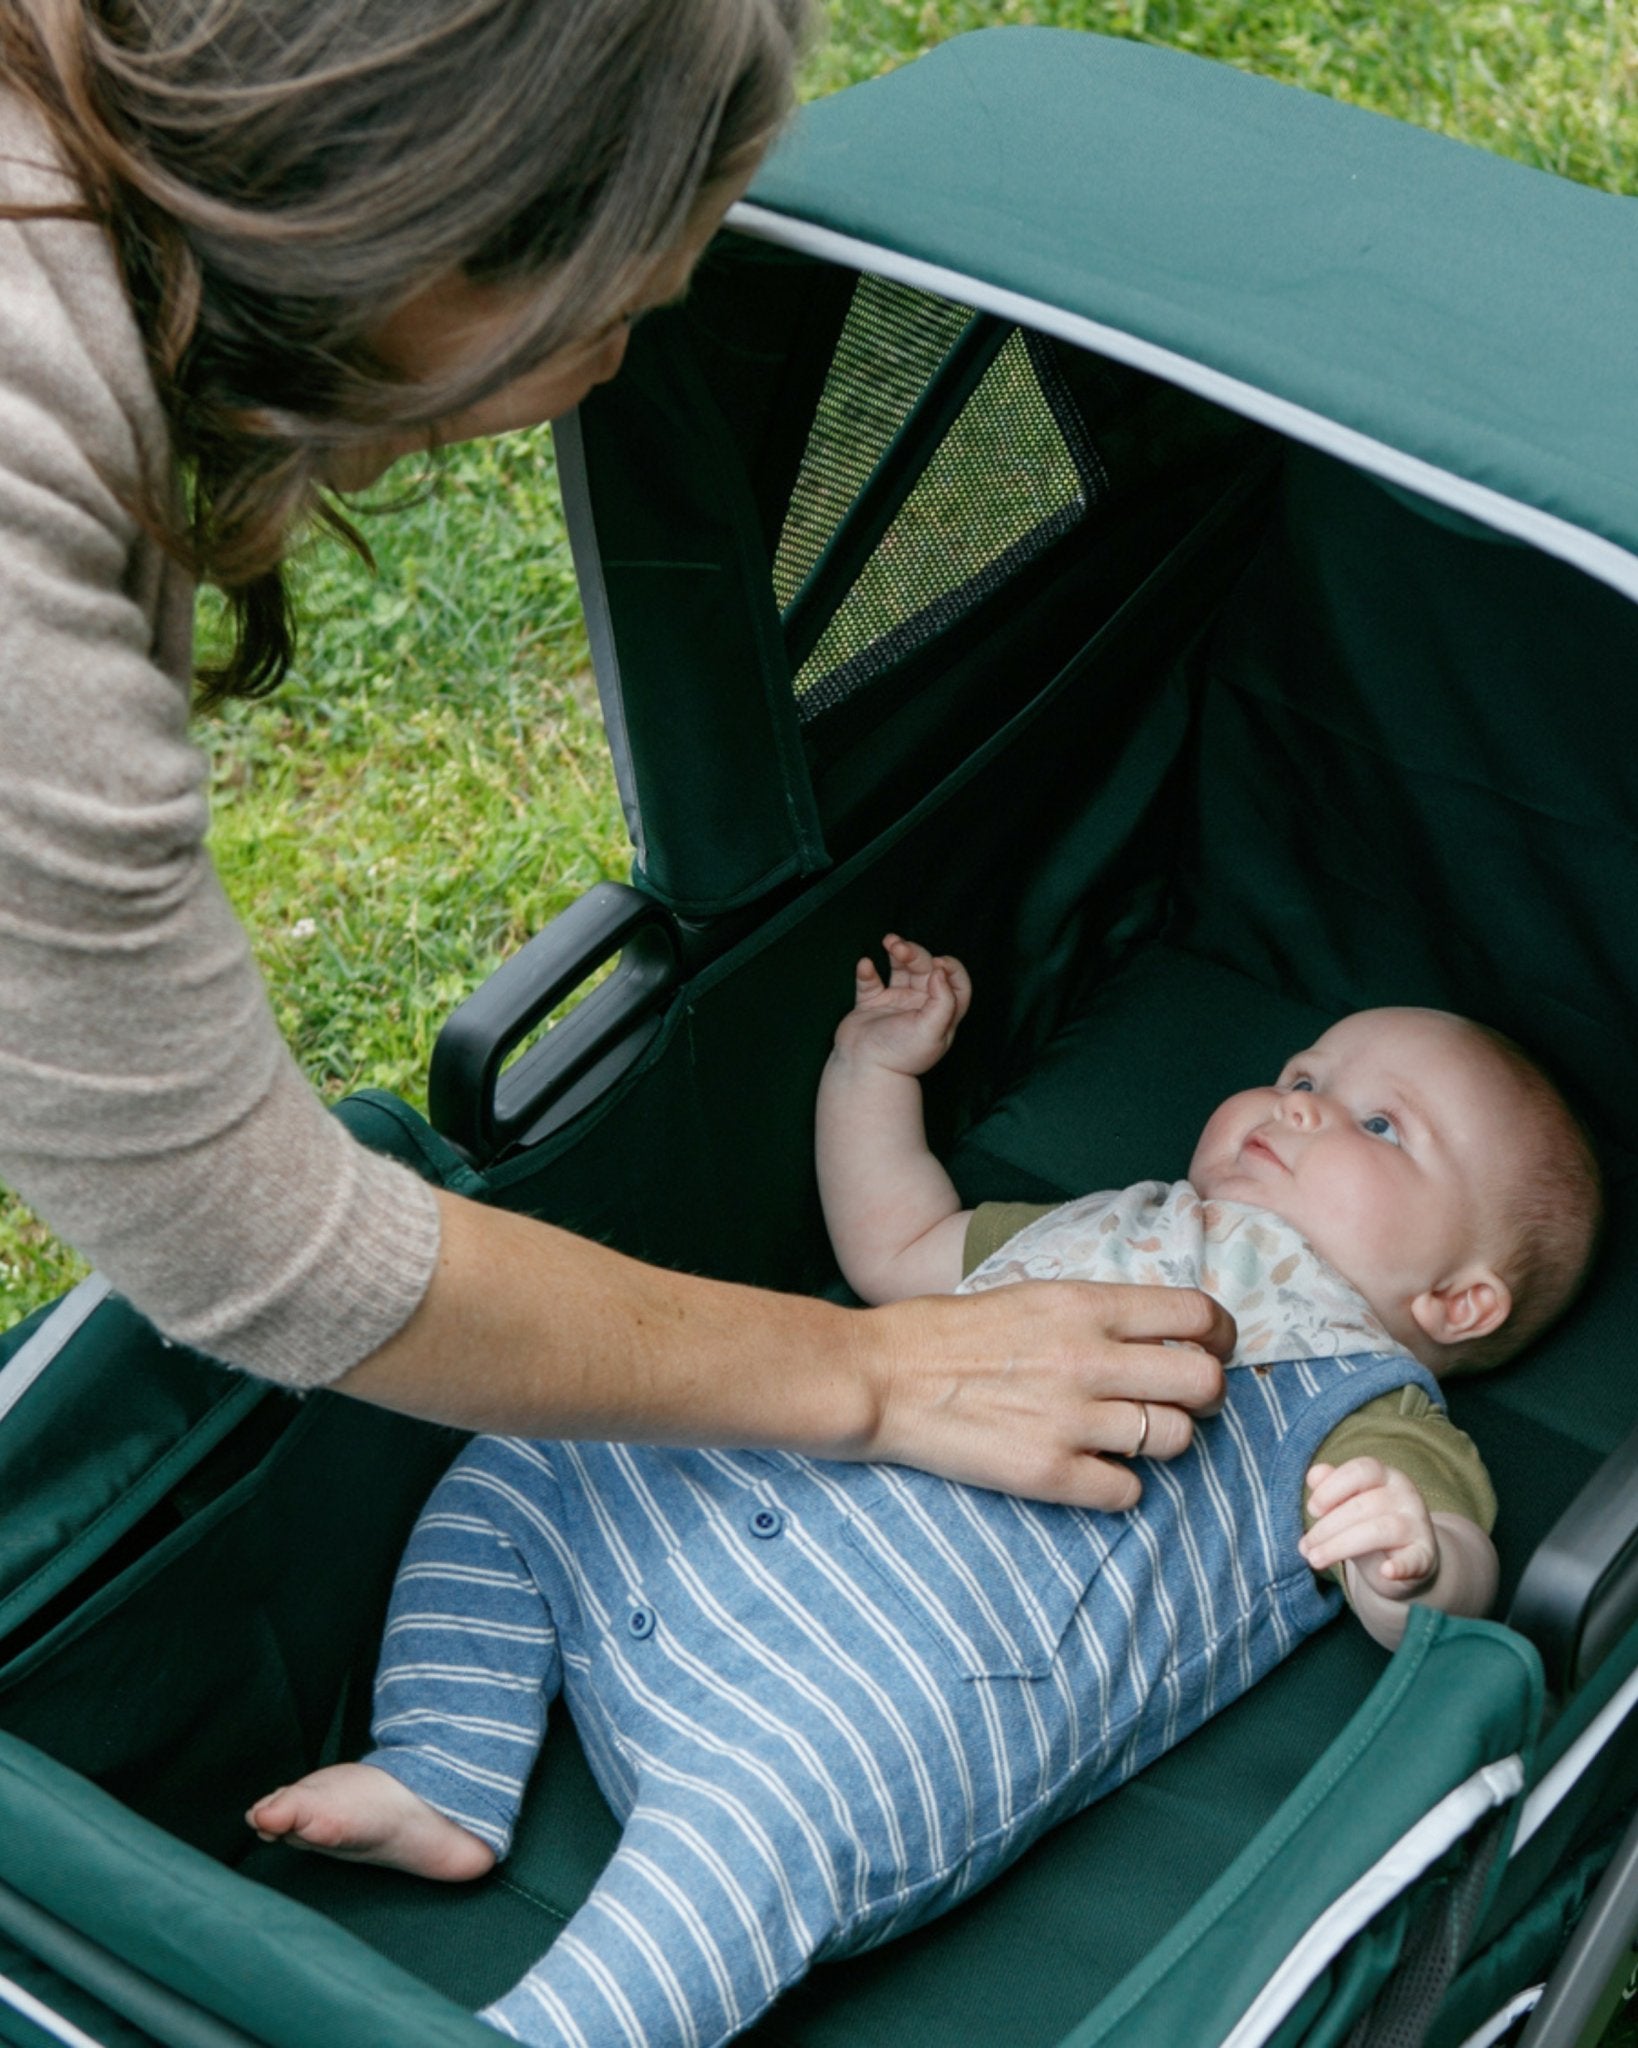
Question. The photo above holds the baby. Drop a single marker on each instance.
(827, 1701)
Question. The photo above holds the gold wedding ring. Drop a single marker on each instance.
(1143, 1434)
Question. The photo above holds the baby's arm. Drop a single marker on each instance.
(1371, 1519)
(895, 1220)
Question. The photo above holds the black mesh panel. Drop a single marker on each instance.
(891, 343)
(1015, 473)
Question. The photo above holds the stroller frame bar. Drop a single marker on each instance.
(1587, 551)
(1570, 1998)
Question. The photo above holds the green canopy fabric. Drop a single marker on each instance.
(1459, 324)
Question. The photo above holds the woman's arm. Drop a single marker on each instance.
(150, 1113)
(529, 1330)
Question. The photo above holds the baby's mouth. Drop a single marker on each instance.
(1258, 1147)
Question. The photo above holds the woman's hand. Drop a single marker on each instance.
(1041, 1388)
(1037, 1389)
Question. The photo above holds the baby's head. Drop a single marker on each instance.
(1434, 1165)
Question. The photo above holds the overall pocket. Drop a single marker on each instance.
(995, 1582)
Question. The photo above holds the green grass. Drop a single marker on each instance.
(431, 786)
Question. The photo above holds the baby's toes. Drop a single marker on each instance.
(275, 1814)
(302, 1816)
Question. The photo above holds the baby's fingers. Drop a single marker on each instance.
(961, 986)
(1331, 1485)
(867, 983)
(910, 961)
(1404, 1550)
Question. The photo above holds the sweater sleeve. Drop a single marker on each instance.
(149, 1109)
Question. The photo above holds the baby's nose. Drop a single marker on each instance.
(1301, 1109)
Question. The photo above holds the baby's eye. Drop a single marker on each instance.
(1380, 1126)
(1300, 1086)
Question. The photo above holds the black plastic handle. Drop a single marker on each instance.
(486, 1111)
(1579, 1593)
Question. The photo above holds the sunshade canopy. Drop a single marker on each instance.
(1473, 322)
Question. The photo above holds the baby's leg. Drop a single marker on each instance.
(706, 1911)
(469, 1665)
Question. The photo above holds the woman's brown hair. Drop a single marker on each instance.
(279, 175)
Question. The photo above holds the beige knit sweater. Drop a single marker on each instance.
(148, 1108)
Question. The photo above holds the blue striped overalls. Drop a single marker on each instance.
(826, 1700)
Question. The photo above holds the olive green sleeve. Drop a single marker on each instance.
(992, 1223)
(1405, 1429)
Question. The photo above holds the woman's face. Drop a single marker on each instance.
(454, 321)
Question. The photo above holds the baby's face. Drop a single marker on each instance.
(1386, 1145)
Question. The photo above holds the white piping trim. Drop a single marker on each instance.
(1499, 2022)
(44, 2018)
(1555, 1784)
(1554, 536)
(1421, 1845)
(27, 1363)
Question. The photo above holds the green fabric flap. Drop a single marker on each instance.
(1523, 1952)
(724, 809)
(151, 1410)
(1458, 1695)
(1466, 310)
(262, 1963)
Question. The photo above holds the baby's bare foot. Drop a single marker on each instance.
(366, 1816)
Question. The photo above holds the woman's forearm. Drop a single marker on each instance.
(530, 1331)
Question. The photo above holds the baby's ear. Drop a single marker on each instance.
(1473, 1304)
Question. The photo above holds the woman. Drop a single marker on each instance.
(267, 249)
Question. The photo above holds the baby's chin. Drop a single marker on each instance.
(1255, 1191)
(1230, 1182)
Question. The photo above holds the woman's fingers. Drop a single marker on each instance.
(1169, 1433)
(1156, 1315)
(1036, 1389)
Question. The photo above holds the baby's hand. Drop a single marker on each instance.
(1373, 1516)
(907, 1023)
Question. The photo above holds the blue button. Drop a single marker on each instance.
(767, 1522)
(640, 1621)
